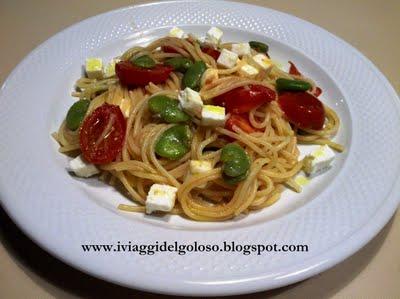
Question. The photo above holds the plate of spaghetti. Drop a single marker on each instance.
(230, 138)
(178, 118)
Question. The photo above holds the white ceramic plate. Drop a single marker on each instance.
(335, 216)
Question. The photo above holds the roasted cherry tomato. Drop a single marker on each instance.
(302, 109)
(240, 121)
(317, 92)
(102, 134)
(243, 99)
(211, 51)
(293, 69)
(168, 49)
(132, 75)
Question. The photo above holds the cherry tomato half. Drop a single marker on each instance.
(302, 109)
(132, 75)
(293, 69)
(211, 51)
(317, 92)
(240, 121)
(168, 49)
(243, 99)
(102, 134)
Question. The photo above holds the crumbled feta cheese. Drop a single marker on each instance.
(301, 180)
(209, 76)
(227, 59)
(94, 68)
(160, 198)
(241, 49)
(248, 71)
(263, 61)
(177, 32)
(81, 168)
(283, 65)
(323, 157)
(214, 36)
(110, 68)
(200, 166)
(213, 116)
(125, 106)
(190, 101)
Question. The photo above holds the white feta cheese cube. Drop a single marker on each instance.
(213, 116)
(110, 68)
(227, 59)
(241, 49)
(82, 168)
(323, 157)
(283, 65)
(263, 61)
(94, 68)
(209, 76)
(190, 100)
(248, 71)
(214, 36)
(125, 106)
(301, 180)
(200, 166)
(177, 32)
(160, 198)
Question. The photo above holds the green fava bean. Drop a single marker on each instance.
(236, 163)
(236, 167)
(168, 109)
(174, 143)
(293, 85)
(236, 179)
(193, 75)
(158, 104)
(259, 46)
(173, 114)
(181, 64)
(76, 114)
(231, 151)
(144, 61)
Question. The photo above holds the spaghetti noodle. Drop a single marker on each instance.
(271, 145)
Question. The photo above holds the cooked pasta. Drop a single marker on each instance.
(264, 132)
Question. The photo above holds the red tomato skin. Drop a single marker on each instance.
(168, 49)
(211, 51)
(132, 75)
(293, 69)
(240, 121)
(243, 99)
(93, 126)
(302, 109)
(317, 92)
